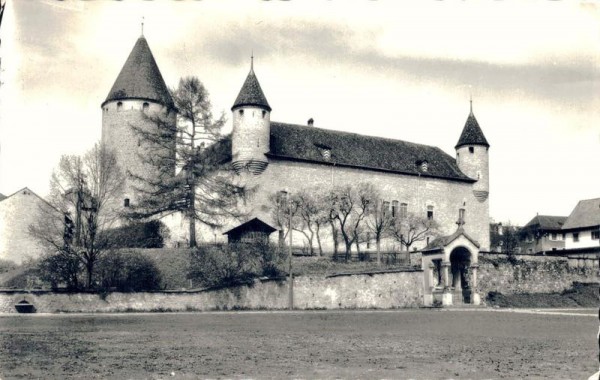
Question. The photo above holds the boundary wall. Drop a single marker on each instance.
(382, 290)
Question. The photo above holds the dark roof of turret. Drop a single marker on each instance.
(472, 133)
(140, 78)
(251, 94)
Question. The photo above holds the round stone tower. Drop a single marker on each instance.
(472, 156)
(251, 127)
(138, 99)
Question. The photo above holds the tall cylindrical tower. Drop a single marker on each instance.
(251, 127)
(139, 98)
(472, 156)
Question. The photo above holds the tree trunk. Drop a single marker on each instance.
(192, 216)
(319, 240)
(378, 247)
(89, 267)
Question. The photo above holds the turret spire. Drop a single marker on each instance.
(142, 26)
(251, 94)
(472, 133)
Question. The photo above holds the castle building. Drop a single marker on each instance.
(273, 156)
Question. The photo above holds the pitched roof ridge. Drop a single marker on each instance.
(358, 134)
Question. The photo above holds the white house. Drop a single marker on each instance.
(582, 228)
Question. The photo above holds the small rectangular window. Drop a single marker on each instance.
(394, 209)
(471, 149)
(595, 235)
(430, 212)
(554, 236)
(385, 207)
(576, 236)
(403, 210)
(126, 202)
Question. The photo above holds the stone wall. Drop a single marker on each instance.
(377, 290)
(17, 213)
(530, 274)
(446, 197)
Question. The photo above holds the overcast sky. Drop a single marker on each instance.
(378, 68)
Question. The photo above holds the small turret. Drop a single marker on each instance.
(472, 156)
(251, 127)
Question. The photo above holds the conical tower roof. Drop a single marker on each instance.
(140, 78)
(251, 94)
(472, 133)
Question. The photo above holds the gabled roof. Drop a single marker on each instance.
(472, 133)
(306, 143)
(254, 224)
(443, 241)
(140, 78)
(585, 214)
(547, 222)
(251, 94)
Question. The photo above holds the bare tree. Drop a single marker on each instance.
(379, 221)
(204, 190)
(349, 207)
(412, 229)
(79, 212)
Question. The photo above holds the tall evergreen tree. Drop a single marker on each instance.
(192, 175)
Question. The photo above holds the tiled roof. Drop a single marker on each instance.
(443, 241)
(472, 133)
(547, 222)
(251, 94)
(308, 143)
(140, 78)
(585, 214)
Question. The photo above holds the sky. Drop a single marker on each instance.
(402, 70)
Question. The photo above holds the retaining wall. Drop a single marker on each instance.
(541, 274)
(379, 291)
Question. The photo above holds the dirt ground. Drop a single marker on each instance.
(422, 344)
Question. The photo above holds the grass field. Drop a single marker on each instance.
(324, 344)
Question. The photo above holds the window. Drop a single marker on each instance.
(394, 209)
(145, 106)
(385, 207)
(554, 236)
(241, 112)
(430, 212)
(471, 149)
(403, 210)
(119, 106)
(575, 236)
(424, 166)
(126, 202)
(264, 113)
(595, 235)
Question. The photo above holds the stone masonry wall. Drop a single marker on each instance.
(542, 274)
(447, 197)
(380, 291)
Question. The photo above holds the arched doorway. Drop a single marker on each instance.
(460, 263)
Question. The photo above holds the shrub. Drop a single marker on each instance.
(61, 270)
(127, 272)
(150, 234)
(234, 264)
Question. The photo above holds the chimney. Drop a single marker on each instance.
(311, 122)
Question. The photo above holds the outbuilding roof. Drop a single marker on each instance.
(308, 143)
(585, 214)
(547, 222)
(140, 78)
